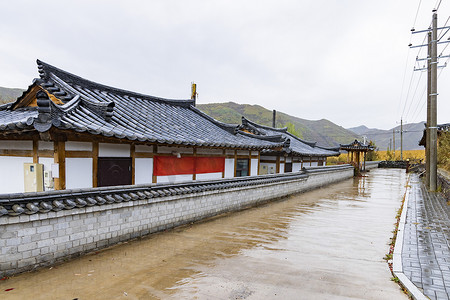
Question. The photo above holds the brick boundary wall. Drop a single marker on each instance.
(30, 241)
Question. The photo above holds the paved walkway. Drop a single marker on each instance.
(426, 242)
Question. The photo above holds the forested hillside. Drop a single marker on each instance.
(324, 132)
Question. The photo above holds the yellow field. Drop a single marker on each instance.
(407, 154)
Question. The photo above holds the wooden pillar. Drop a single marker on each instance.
(364, 161)
(94, 163)
(155, 152)
(225, 157)
(194, 176)
(278, 165)
(133, 163)
(235, 162)
(60, 159)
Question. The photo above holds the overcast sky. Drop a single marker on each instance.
(344, 61)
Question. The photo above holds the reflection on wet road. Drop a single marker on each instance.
(323, 244)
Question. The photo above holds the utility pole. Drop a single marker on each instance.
(401, 139)
(433, 108)
(431, 129)
(427, 131)
(393, 138)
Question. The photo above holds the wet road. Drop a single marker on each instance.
(324, 244)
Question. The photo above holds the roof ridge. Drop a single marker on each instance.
(244, 119)
(46, 69)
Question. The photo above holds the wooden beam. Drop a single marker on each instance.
(79, 154)
(9, 152)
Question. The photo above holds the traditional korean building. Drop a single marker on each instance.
(355, 150)
(293, 157)
(76, 133)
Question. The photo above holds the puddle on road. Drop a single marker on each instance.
(327, 243)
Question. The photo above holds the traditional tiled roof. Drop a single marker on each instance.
(293, 144)
(357, 145)
(69, 102)
(440, 128)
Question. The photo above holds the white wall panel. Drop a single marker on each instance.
(210, 151)
(78, 146)
(314, 164)
(43, 145)
(296, 167)
(209, 176)
(144, 148)
(229, 167)
(173, 178)
(254, 167)
(143, 170)
(113, 150)
(78, 173)
(281, 168)
(164, 149)
(16, 145)
(11, 174)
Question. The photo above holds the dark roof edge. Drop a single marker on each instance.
(231, 128)
(271, 138)
(311, 144)
(45, 69)
(244, 119)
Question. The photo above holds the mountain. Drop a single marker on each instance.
(324, 132)
(412, 133)
(9, 95)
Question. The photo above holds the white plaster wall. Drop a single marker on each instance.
(229, 152)
(243, 152)
(164, 149)
(173, 178)
(274, 158)
(288, 159)
(210, 151)
(47, 162)
(144, 148)
(208, 176)
(229, 167)
(78, 146)
(143, 170)
(11, 174)
(314, 164)
(113, 150)
(43, 145)
(16, 145)
(296, 167)
(78, 173)
(255, 153)
(281, 168)
(254, 167)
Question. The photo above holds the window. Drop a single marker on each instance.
(287, 167)
(242, 167)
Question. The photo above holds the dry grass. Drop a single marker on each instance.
(407, 154)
